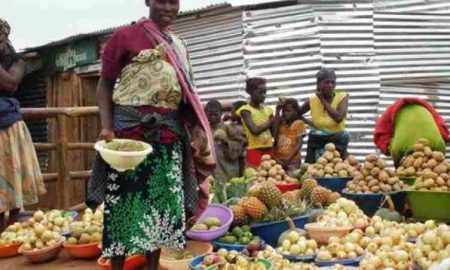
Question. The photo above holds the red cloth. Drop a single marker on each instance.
(384, 128)
(254, 156)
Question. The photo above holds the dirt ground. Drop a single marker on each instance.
(63, 262)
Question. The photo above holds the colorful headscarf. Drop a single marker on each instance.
(5, 29)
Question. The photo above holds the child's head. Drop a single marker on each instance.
(234, 107)
(213, 110)
(326, 82)
(290, 110)
(256, 88)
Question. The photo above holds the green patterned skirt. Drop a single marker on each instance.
(144, 208)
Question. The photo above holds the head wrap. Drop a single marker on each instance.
(5, 29)
(324, 73)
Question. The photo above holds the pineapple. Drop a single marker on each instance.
(292, 196)
(254, 207)
(319, 196)
(307, 187)
(270, 195)
(333, 197)
(239, 215)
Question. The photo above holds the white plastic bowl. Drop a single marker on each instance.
(121, 160)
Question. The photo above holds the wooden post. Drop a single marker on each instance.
(63, 175)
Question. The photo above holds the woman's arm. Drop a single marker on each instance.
(104, 100)
(276, 124)
(254, 129)
(10, 79)
(340, 113)
(304, 108)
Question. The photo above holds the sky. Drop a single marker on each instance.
(37, 22)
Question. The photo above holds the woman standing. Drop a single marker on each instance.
(20, 176)
(149, 207)
(328, 114)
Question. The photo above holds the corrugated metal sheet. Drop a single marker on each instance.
(215, 47)
(415, 6)
(412, 45)
(288, 46)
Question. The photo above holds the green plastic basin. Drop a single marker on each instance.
(408, 180)
(427, 205)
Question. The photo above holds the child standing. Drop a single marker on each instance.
(289, 132)
(257, 122)
(228, 145)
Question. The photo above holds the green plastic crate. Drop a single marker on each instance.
(427, 205)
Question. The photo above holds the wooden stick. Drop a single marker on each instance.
(39, 113)
(81, 146)
(80, 174)
(45, 146)
(50, 177)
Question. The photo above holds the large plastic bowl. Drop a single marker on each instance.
(370, 203)
(86, 251)
(224, 214)
(44, 254)
(335, 184)
(288, 187)
(349, 262)
(218, 245)
(131, 263)
(304, 258)
(427, 205)
(196, 248)
(121, 160)
(322, 234)
(267, 264)
(10, 251)
(270, 231)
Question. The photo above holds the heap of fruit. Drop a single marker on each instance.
(373, 177)
(432, 247)
(280, 263)
(270, 171)
(42, 237)
(343, 213)
(238, 236)
(380, 227)
(252, 249)
(320, 196)
(229, 260)
(330, 165)
(266, 203)
(430, 167)
(297, 245)
(88, 230)
(15, 234)
(349, 247)
(129, 146)
(298, 174)
(209, 224)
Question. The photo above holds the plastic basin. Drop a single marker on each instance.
(218, 245)
(335, 184)
(287, 187)
(196, 248)
(42, 255)
(304, 258)
(427, 205)
(86, 251)
(270, 231)
(131, 263)
(410, 181)
(224, 214)
(121, 160)
(322, 234)
(10, 251)
(370, 203)
(267, 264)
(349, 262)
(196, 262)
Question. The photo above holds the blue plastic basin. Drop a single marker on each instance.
(335, 184)
(370, 203)
(270, 231)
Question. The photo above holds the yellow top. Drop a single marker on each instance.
(320, 117)
(259, 117)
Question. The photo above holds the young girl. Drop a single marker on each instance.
(257, 121)
(289, 132)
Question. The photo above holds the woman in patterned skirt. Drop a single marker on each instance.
(150, 207)
(20, 176)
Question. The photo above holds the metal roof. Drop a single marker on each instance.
(110, 30)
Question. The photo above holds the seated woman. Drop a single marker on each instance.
(328, 114)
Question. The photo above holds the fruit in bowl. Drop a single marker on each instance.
(238, 236)
(126, 154)
(88, 230)
(297, 245)
(209, 224)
